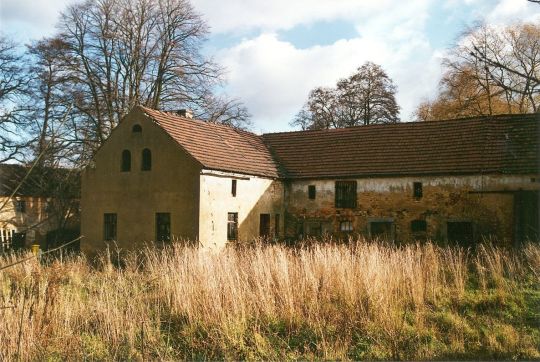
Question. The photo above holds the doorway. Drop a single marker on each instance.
(526, 216)
(460, 233)
(264, 225)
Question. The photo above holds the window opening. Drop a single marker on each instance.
(126, 161)
(163, 226)
(346, 194)
(109, 227)
(312, 192)
(146, 164)
(232, 226)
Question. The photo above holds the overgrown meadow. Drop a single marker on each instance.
(322, 301)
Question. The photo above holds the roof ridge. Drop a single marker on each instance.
(195, 120)
(460, 146)
(217, 146)
(495, 117)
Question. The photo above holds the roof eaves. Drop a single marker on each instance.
(398, 174)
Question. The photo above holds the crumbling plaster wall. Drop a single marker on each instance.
(445, 198)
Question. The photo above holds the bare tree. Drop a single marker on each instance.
(366, 97)
(227, 111)
(320, 111)
(490, 71)
(127, 52)
(48, 104)
(13, 86)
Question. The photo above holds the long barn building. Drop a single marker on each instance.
(162, 176)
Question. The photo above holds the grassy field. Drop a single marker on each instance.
(356, 301)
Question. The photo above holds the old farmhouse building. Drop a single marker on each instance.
(162, 176)
(37, 206)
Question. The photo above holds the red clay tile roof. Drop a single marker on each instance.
(216, 146)
(498, 144)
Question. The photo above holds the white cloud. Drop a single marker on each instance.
(509, 11)
(241, 15)
(28, 19)
(273, 77)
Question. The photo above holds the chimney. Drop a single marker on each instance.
(186, 113)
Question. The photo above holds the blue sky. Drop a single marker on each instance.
(275, 51)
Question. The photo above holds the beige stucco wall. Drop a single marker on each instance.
(448, 198)
(172, 185)
(255, 196)
(34, 221)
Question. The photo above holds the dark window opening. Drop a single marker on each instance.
(146, 164)
(345, 226)
(312, 192)
(126, 161)
(20, 206)
(137, 128)
(264, 225)
(232, 226)
(233, 188)
(47, 207)
(418, 226)
(276, 225)
(417, 192)
(313, 228)
(381, 230)
(527, 216)
(163, 226)
(460, 233)
(18, 240)
(109, 227)
(346, 194)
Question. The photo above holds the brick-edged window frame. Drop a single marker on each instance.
(345, 194)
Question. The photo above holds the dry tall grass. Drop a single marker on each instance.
(271, 302)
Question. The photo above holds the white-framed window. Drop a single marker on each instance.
(345, 226)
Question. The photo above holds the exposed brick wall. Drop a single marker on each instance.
(463, 198)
